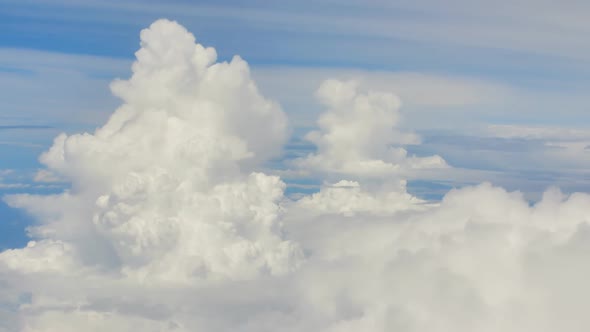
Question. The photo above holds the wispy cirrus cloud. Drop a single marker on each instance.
(55, 77)
(539, 132)
(484, 35)
(24, 127)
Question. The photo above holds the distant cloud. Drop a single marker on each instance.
(14, 185)
(57, 76)
(12, 182)
(539, 132)
(358, 134)
(24, 127)
(21, 144)
(44, 175)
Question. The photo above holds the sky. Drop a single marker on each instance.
(294, 165)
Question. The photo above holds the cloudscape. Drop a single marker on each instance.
(210, 194)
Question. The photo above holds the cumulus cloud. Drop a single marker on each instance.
(165, 189)
(350, 198)
(170, 226)
(358, 136)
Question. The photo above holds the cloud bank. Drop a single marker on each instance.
(170, 225)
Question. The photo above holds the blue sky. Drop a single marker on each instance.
(459, 68)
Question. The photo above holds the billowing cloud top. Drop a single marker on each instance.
(160, 191)
(358, 136)
(170, 226)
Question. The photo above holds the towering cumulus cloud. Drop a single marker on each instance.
(170, 226)
(358, 134)
(164, 189)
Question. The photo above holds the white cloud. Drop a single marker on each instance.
(170, 226)
(185, 138)
(481, 260)
(358, 136)
(349, 198)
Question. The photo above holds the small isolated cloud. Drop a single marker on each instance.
(47, 176)
(169, 224)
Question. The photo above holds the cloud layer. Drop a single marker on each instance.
(171, 226)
